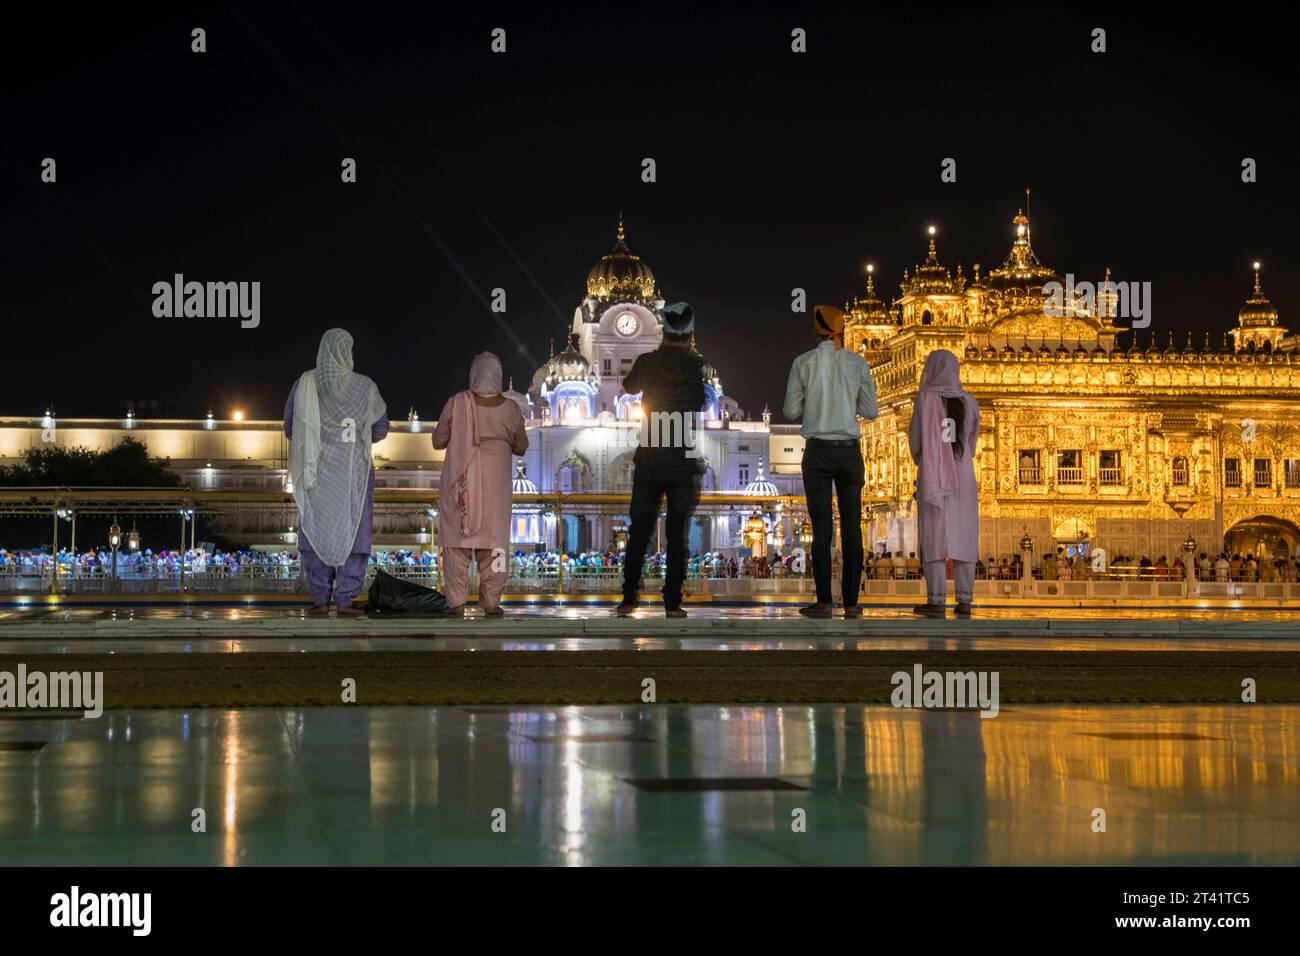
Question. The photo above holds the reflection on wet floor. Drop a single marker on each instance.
(218, 645)
(649, 613)
(570, 628)
(655, 784)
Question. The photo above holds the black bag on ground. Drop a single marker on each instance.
(390, 595)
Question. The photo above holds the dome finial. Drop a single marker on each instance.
(620, 226)
(1258, 291)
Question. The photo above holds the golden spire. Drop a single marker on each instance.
(871, 280)
(552, 344)
(1257, 311)
(619, 237)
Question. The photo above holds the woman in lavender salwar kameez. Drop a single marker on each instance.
(331, 418)
(481, 430)
(945, 426)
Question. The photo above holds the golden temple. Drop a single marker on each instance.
(1084, 435)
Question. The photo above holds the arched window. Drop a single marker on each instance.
(926, 317)
(1180, 472)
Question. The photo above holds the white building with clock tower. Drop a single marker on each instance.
(582, 428)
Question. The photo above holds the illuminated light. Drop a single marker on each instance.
(870, 268)
(932, 230)
(1256, 266)
(237, 415)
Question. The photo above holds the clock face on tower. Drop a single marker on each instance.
(627, 324)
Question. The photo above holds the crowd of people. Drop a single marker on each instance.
(148, 563)
(526, 565)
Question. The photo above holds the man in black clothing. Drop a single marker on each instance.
(667, 459)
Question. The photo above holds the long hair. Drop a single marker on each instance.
(955, 409)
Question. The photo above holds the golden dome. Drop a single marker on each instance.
(1258, 310)
(869, 310)
(621, 275)
(1021, 268)
(930, 277)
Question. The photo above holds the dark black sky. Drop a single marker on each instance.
(477, 170)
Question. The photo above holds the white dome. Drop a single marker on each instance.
(760, 487)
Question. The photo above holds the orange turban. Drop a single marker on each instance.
(828, 322)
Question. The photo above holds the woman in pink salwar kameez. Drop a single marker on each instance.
(482, 430)
(945, 426)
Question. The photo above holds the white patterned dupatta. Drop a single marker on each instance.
(334, 409)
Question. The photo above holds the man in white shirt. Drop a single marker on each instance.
(829, 387)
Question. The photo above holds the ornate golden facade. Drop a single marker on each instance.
(1083, 433)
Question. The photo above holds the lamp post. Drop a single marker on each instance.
(1027, 550)
(1189, 565)
(54, 550)
(114, 542)
(806, 539)
(187, 514)
(754, 534)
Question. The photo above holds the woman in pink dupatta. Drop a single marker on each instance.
(481, 430)
(945, 426)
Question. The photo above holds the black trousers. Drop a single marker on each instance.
(683, 494)
(835, 469)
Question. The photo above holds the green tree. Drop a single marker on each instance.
(125, 465)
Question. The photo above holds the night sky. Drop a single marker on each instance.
(477, 170)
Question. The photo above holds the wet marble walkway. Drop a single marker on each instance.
(18, 648)
(711, 624)
(824, 784)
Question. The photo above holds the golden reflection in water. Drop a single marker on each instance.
(895, 771)
(230, 743)
(1174, 781)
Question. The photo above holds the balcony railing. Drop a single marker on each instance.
(1069, 475)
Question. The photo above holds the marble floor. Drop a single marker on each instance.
(705, 624)
(765, 785)
(19, 647)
